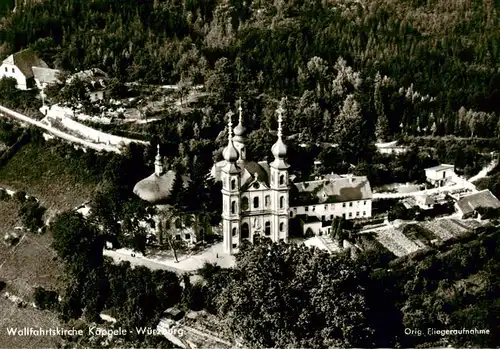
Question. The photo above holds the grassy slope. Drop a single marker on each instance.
(13, 316)
(56, 181)
(60, 184)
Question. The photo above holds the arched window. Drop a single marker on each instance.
(282, 201)
(233, 184)
(234, 231)
(268, 228)
(268, 201)
(282, 179)
(256, 202)
(291, 214)
(282, 226)
(244, 203)
(233, 207)
(245, 232)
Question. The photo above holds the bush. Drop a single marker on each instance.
(32, 215)
(46, 299)
(20, 196)
(4, 196)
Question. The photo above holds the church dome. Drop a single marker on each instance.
(239, 130)
(279, 149)
(155, 189)
(230, 153)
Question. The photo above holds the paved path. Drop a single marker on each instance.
(120, 256)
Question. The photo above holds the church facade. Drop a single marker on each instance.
(255, 194)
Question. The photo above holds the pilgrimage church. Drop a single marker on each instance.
(256, 194)
(259, 198)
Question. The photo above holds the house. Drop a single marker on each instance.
(344, 196)
(425, 202)
(20, 67)
(468, 205)
(95, 80)
(45, 76)
(391, 148)
(439, 175)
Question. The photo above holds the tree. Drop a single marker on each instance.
(170, 223)
(75, 92)
(327, 292)
(76, 241)
(348, 126)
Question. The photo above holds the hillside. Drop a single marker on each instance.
(59, 181)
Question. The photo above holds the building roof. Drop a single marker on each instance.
(249, 168)
(471, 202)
(253, 170)
(441, 167)
(157, 189)
(335, 189)
(95, 77)
(46, 75)
(25, 60)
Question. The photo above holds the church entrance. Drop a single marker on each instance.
(245, 231)
(256, 238)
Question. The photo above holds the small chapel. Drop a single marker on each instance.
(255, 193)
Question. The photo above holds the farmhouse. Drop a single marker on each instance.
(95, 80)
(439, 175)
(20, 67)
(467, 206)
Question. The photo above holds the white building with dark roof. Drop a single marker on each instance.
(20, 67)
(469, 205)
(332, 196)
(439, 175)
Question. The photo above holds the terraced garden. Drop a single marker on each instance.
(415, 236)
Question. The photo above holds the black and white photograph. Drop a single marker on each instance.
(195, 174)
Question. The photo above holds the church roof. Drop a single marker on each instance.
(332, 189)
(157, 189)
(251, 169)
(25, 60)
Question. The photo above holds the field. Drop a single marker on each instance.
(8, 217)
(29, 264)
(59, 183)
(11, 316)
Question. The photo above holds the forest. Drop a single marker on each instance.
(408, 67)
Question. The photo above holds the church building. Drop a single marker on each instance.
(255, 194)
(257, 198)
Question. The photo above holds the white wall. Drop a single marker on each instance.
(57, 132)
(364, 207)
(11, 71)
(434, 175)
(60, 114)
